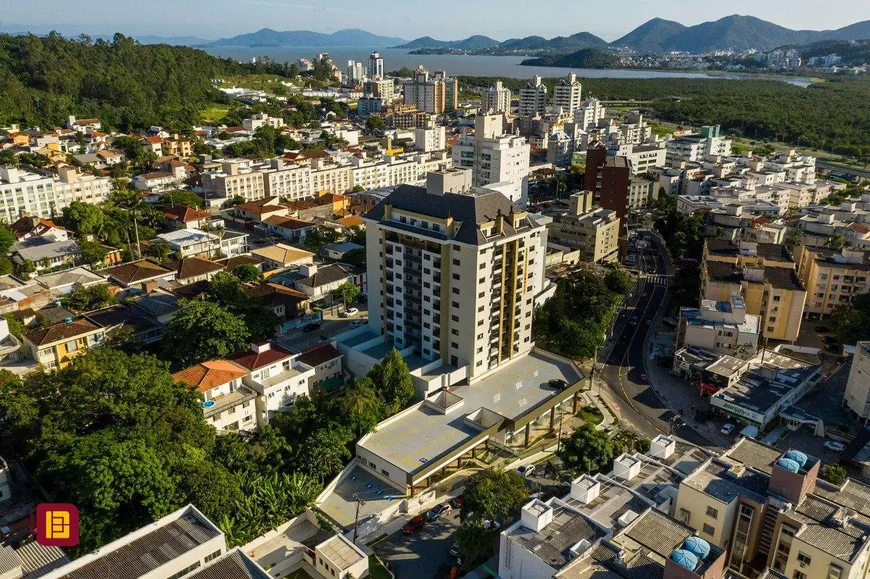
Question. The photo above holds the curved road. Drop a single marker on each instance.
(625, 363)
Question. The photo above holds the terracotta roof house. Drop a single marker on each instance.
(211, 374)
(54, 346)
(183, 217)
(287, 303)
(137, 273)
(260, 210)
(227, 403)
(289, 228)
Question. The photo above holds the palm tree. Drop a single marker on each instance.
(626, 441)
(360, 404)
(475, 542)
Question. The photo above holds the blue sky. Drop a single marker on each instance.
(451, 19)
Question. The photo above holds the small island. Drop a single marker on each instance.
(585, 58)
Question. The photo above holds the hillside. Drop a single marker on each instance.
(268, 38)
(476, 42)
(650, 36)
(585, 58)
(129, 86)
(852, 53)
(559, 44)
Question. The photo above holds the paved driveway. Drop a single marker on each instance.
(419, 556)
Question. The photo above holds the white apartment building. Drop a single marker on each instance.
(44, 194)
(566, 94)
(287, 180)
(642, 158)
(444, 264)
(496, 99)
(857, 396)
(376, 66)
(533, 98)
(276, 375)
(258, 120)
(590, 114)
(495, 157)
(236, 178)
(356, 72)
(721, 327)
(431, 138)
(227, 404)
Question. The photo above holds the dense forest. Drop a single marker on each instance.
(127, 85)
(584, 58)
(831, 114)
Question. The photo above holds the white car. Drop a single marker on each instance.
(350, 312)
(526, 470)
(834, 446)
(728, 428)
(356, 324)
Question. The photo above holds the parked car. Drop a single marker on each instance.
(456, 503)
(438, 511)
(728, 428)
(454, 550)
(356, 324)
(834, 446)
(526, 470)
(351, 312)
(823, 329)
(491, 525)
(414, 525)
(558, 384)
(644, 379)
(311, 327)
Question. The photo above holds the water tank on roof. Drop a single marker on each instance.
(788, 464)
(697, 546)
(796, 456)
(684, 559)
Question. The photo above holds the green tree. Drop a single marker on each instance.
(324, 453)
(834, 474)
(226, 289)
(247, 272)
(159, 249)
(360, 406)
(25, 268)
(475, 542)
(88, 298)
(91, 252)
(347, 293)
(203, 331)
(618, 281)
(835, 241)
(7, 238)
(375, 124)
(492, 494)
(355, 257)
(587, 450)
(181, 197)
(852, 323)
(84, 218)
(793, 237)
(19, 410)
(392, 382)
(628, 441)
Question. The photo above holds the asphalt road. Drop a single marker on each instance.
(421, 555)
(625, 370)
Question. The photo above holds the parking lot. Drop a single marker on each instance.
(422, 554)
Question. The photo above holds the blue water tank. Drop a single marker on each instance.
(796, 456)
(684, 559)
(697, 546)
(788, 464)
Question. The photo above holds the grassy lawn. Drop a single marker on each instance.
(377, 570)
(592, 415)
(215, 113)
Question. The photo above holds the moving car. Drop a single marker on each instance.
(356, 324)
(526, 470)
(438, 511)
(834, 446)
(311, 327)
(350, 312)
(727, 429)
(454, 550)
(414, 525)
(644, 379)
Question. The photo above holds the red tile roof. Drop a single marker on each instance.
(60, 332)
(319, 354)
(184, 214)
(252, 360)
(211, 374)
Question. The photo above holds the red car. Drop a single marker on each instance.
(414, 525)
(457, 502)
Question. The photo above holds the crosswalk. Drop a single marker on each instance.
(657, 279)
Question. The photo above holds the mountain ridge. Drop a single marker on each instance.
(307, 38)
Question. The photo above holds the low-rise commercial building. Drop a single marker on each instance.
(721, 327)
(594, 232)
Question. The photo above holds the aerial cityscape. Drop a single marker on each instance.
(305, 292)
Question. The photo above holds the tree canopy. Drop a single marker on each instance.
(493, 494)
(203, 331)
(587, 450)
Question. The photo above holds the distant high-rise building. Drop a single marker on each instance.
(384, 89)
(435, 94)
(589, 114)
(495, 157)
(496, 99)
(566, 94)
(533, 98)
(376, 66)
(356, 72)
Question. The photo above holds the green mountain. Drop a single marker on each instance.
(585, 58)
(650, 36)
(476, 42)
(269, 37)
(559, 44)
